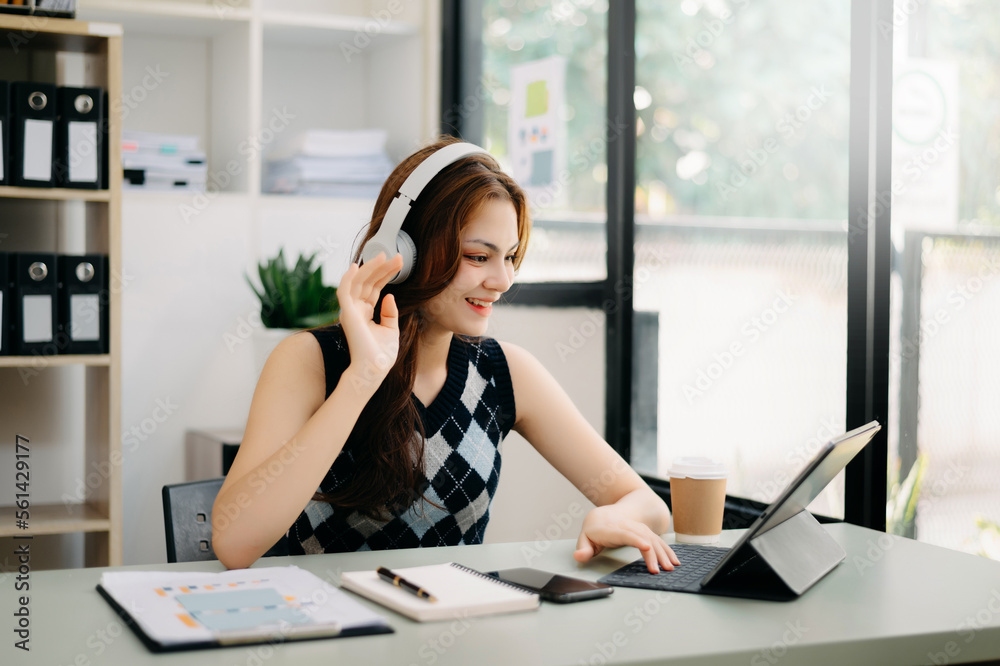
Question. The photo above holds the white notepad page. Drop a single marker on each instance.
(460, 592)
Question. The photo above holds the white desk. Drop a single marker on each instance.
(893, 601)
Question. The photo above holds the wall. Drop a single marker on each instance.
(186, 362)
(534, 502)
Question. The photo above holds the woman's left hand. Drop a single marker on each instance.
(609, 527)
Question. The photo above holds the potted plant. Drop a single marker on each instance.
(290, 299)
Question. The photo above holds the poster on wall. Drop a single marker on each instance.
(537, 138)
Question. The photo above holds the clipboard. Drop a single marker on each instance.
(176, 611)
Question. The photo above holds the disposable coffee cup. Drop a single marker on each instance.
(698, 496)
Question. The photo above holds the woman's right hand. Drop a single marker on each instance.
(373, 347)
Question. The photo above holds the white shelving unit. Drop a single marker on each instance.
(242, 73)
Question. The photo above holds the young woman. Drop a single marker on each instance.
(396, 413)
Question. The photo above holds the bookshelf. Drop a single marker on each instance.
(35, 388)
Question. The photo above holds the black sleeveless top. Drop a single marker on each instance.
(464, 426)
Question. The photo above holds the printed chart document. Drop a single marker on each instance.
(461, 592)
(188, 610)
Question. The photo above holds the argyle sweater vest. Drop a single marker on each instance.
(464, 426)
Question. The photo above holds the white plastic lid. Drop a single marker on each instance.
(694, 467)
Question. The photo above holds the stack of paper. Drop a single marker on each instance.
(329, 163)
(154, 161)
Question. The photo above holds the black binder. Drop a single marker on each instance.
(4, 131)
(4, 304)
(105, 317)
(106, 134)
(33, 108)
(79, 138)
(34, 307)
(82, 304)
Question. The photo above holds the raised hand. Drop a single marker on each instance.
(373, 347)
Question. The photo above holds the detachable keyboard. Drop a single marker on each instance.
(696, 562)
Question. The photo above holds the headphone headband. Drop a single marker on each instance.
(390, 237)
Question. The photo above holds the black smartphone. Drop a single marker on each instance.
(553, 587)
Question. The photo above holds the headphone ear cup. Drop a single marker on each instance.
(408, 249)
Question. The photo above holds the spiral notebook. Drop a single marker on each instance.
(461, 592)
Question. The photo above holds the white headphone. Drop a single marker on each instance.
(390, 237)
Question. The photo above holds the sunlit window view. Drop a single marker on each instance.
(741, 209)
(741, 253)
(945, 453)
(545, 67)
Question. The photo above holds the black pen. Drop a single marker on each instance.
(399, 581)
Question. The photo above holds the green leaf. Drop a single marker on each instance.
(295, 297)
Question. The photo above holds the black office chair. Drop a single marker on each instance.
(187, 520)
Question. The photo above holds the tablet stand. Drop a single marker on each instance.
(779, 564)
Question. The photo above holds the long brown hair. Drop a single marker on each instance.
(388, 440)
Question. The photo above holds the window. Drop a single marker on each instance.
(945, 451)
(545, 65)
(741, 251)
(760, 186)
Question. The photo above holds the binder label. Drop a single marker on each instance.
(37, 319)
(1, 153)
(37, 150)
(85, 324)
(82, 152)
